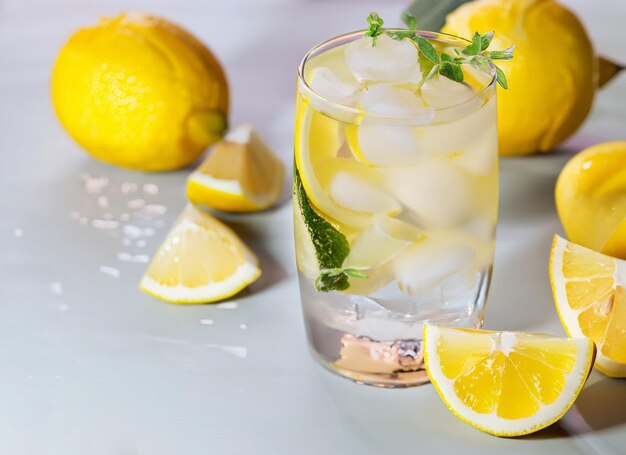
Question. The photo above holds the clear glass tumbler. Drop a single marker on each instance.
(395, 202)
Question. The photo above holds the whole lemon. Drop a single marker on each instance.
(591, 198)
(140, 92)
(552, 78)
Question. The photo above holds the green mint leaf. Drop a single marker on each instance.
(427, 48)
(475, 47)
(452, 71)
(428, 73)
(486, 40)
(327, 282)
(409, 20)
(331, 246)
(354, 273)
(375, 28)
(480, 62)
(501, 78)
(447, 58)
(506, 54)
(399, 36)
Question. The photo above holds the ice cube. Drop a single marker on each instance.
(389, 143)
(383, 239)
(392, 101)
(440, 92)
(361, 195)
(437, 191)
(388, 61)
(467, 133)
(443, 259)
(326, 84)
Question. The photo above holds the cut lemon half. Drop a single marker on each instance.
(240, 175)
(201, 260)
(590, 297)
(506, 383)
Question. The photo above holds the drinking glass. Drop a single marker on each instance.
(395, 202)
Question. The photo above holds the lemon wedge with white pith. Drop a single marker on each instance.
(506, 383)
(201, 260)
(590, 297)
(240, 175)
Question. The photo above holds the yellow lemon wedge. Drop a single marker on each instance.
(590, 198)
(140, 92)
(506, 383)
(240, 175)
(201, 260)
(590, 297)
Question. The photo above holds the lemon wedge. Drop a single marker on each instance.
(506, 383)
(201, 260)
(240, 175)
(590, 297)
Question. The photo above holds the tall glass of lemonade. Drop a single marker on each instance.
(395, 201)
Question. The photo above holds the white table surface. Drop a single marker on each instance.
(89, 365)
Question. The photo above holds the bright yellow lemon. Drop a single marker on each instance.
(591, 198)
(140, 92)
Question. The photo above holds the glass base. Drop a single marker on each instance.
(355, 337)
(388, 365)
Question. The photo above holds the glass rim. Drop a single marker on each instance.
(336, 105)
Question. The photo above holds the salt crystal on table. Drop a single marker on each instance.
(128, 187)
(132, 231)
(150, 188)
(206, 321)
(105, 224)
(135, 203)
(227, 305)
(243, 326)
(154, 209)
(141, 243)
(111, 271)
(103, 202)
(94, 185)
(18, 232)
(127, 257)
(56, 288)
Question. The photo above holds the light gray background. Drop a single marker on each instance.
(89, 365)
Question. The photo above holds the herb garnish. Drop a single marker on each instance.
(475, 54)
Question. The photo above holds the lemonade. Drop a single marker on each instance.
(395, 201)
